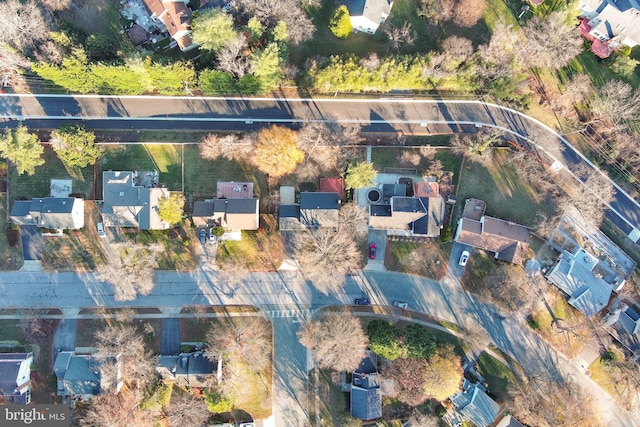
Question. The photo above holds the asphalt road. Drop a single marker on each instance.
(374, 115)
(288, 292)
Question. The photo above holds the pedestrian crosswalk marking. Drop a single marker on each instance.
(287, 313)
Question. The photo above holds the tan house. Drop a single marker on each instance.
(507, 240)
(176, 16)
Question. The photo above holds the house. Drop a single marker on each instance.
(175, 15)
(610, 24)
(59, 213)
(84, 376)
(590, 266)
(15, 377)
(235, 209)
(623, 323)
(130, 199)
(507, 240)
(366, 395)
(367, 15)
(475, 405)
(189, 369)
(509, 421)
(318, 209)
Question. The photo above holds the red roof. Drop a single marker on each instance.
(536, 2)
(600, 49)
(332, 185)
(585, 29)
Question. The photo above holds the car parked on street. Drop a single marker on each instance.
(362, 301)
(372, 251)
(400, 304)
(464, 258)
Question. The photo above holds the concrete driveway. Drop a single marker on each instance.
(170, 338)
(64, 339)
(455, 269)
(379, 237)
(30, 236)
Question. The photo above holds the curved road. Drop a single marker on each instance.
(374, 115)
(288, 298)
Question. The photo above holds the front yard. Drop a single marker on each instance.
(428, 258)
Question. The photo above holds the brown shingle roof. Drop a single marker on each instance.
(507, 240)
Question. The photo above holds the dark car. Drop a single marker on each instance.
(362, 301)
(372, 251)
(202, 235)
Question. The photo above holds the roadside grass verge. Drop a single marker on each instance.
(497, 375)
(507, 195)
(77, 250)
(165, 158)
(393, 157)
(188, 136)
(427, 258)
(10, 256)
(39, 184)
(150, 329)
(332, 402)
(570, 332)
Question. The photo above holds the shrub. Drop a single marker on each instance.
(13, 236)
(340, 23)
(533, 323)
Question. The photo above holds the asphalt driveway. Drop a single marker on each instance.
(30, 236)
(170, 338)
(64, 339)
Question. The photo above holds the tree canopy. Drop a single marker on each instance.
(22, 148)
(360, 175)
(213, 29)
(277, 153)
(170, 209)
(75, 146)
(443, 373)
(383, 340)
(340, 23)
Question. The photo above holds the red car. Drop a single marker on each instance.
(372, 251)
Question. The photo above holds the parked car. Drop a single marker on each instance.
(372, 251)
(100, 227)
(400, 304)
(212, 237)
(464, 258)
(202, 235)
(362, 301)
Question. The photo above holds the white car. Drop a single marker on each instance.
(400, 304)
(464, 258)
(100, 227)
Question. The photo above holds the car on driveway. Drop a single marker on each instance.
(212, 237)
(362, 301)
(464, 258)
(372, 251)
(202, 235)
(400, 304)
(100, 227)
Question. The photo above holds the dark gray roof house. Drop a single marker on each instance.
(367, 15)
(366, 395)
(408, 216)
(319, 209)
(127, 203)
(509, 421)
(84, 375)
(475, 405)
(233, 214)
(623, 323)
(15, 377)
(189, 369)
(60, 213)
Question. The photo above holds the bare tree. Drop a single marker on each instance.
(409, 377)
(399, 37)
(247, 338)
(230, 146)
(418, 419)
(497, 58)
(371, 62)
(138, 364)
(550, 42)
(56, 5)
(11, 64)
(465, 13)
(131, 271)
(114, 410)
(270, 12)
(234, 57)
(336, 340)
(187, 410)
(590, 196)
(616, 101)
(24, 27)
(458, 47)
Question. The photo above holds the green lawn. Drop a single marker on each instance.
(598, 69)
(507, 195)
(389, 157)
(497, 375)
(39, 184)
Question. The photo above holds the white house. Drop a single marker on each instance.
(613, 22)
(367, 15)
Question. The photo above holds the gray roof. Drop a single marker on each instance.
(366, 397)
(509, 421)
(289, 218)
(475, 405)
(129, 205)
(626, 328)
(619, 18)
(188, 369)
(573, 274)
(9, 369)
(408, 215)
(235, 214)
(319, 209)
(374, 10)
(81, 374)
(49, 212)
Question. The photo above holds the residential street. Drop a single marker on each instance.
(285, 294)
(374, 115)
